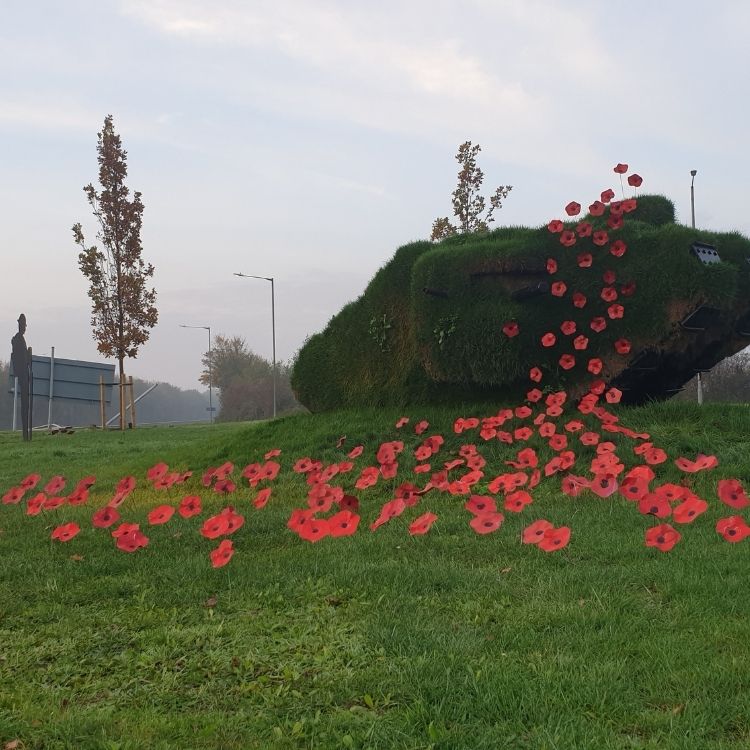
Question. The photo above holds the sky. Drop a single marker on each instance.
(308, 140)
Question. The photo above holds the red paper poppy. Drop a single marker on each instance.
(734, 529)
(422, 524)
(573, 485)
(419, 428)
(584, 228)
(422, 469)
(589, 438)
(568, 327)
(618, 248)
(622, 346)
(670, 492)
(574, 425)
(604, 485)
(511, 329)
(600, 238)
(79, 496)
(546, 429)
(629, 205)
(635, 180)
(614, 221)
(343, 523)
(161, 514)
(55, 485)
(215, 526)
(521, 412)
(688, 510)
(535, 374)
(534, 533)
(579, 300)
(555, 226)
(517, 501)
(598, 324)
(701, 463)
(653, 505)
(34, 504)
(391, 509)
(555, 539)
(633, 488)
(314, 530)
(224, 486)
(551, 266)
(344, 467)
(585, 260)
(272, 453)
(132, 541)
(567, 361)
(534, 395)
(401, 422)
(616, 311)
(157, 471)
(621, 168)
(558, 442)
(549, 339)
(65, 532)
(607, 195)
(526, 458)
(567, 238)
(522, 433)
(580, 342)
(558, 289)
(731, 492)
(356, 452)
(105, 517)
(478, 504)
(190, 506)
(608, 294)
(222, 554)
(597, 208)
(486, 523)
(30, 481)
(53, 502)
(13, 495)
(663, 537)
(613, 396)
(573, 208)
(389, 471)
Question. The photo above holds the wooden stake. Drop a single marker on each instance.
(132, 403)
(102, 407)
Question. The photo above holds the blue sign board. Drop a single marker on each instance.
(71, 379)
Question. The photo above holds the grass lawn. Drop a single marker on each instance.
(378, 640)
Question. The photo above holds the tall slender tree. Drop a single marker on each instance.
(122, 305)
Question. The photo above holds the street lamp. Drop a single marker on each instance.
(693, 172)
(273, 329)
(210, 366)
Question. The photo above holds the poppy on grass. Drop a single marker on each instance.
(30, 481)
(607, 195)
(635, 180)
(594, 366)
(597, 208)
(215, 526)
(79, 496)
(616, 311)
(622, 346)
(551, 265)
(272, 453)
(688, 510)
(633, 488)
(600, 238)
(486, 523)
(55, 485)
(604, 485)
(349, 502)
(555, 226)
(663, 537)
(161, 514)
(511, 329)
(548, 339)
(629, 205)
(618, 248)
(478, 504)
(343, 523)
(314, 530)
(558, 289)
(368, 477)
(567, 361)
(356, 452)
(401, 422)
(580, 342)
(568, 327)
(53, 502)
(567, 238)
(105, 517)
(535, 374)
(534, 395)
(422, 524)
(614, 221)
(261, 499)
(554, 539)
(573, 485)
(579, 300)
(584, 260)
(584, 229)
(132, 541)
(734, 529)
(420, 427)
(613, 395)
(34, 504)
(608, 294)
(701, 463)
(65, 532)
(534, 533)
(653, 505)
(522, 433)
(157, 471)
(598, 324)
(13, 495)
(732, 493)
(671, 492)
(222, 554)
(517, 501)
(573, 208)
(190, 506)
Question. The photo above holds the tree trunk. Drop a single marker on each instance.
(121, 389)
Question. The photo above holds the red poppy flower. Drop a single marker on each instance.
(535, 374)
(546, 429)
(574, 425)
(486, 523)
(580, 342)
(670, 492)
(356, 452)
(604, 485)
(609, 277)
(526, 458)
(343, 523)
(34, 504)
(633, 488)
(663, 537)
(391, 509)
(534, 533)
(635, 180)
(420, 427)
(344, 467)
(589, 438)
(161, 514)
(548, 339)
(190, 506)
(554, 539)
(13, 495)
(517, 501)
(328, 473)
(55, 485)
(597, 208)
(732, 493)
(511, 329)
(401, 422)
(389, 471)
(558, 442)
(567, 238)
(568, 327)
(53, 502)
(422, 524)
(551, 265)
(478, 504)
(534, 395)
(607, 195)
(733, 529)
(157, 471)
(66, 532)
(314, 529)
(622, 346)
(30, 481)
(618, 249)
(132, 541)
(600, 238)
(573, 208)
(608, 294)
(621, 168)
(585, 260)
(653, 505)
(613, 396)
(614, 221)
(123, 529)
(579, 300)
(688, 510)
(629, 204)
(79, 496)
(598, 324)
(349, 502)
(215, 526)
(555, 226)
(701, 463)
(616, 311)
(124, 487)
(272, 453)
(573, 485)
(507, 482)
(522, 433)
(567, 361)
(522, 412)
(584, 229)
(222, 554)
(558, 289)
(224, 486)
(105, 517)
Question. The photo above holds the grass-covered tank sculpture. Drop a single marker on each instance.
(622, 294)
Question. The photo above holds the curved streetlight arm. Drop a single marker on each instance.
(210, 368)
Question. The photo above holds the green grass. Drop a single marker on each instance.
(380, 640)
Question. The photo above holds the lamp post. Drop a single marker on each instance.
(694, 172)
(273, 329)
(210, 366)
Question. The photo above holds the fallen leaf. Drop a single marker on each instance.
(12, 745)
(211, 601)
(506, 570)
(341, 441)
(77, 558)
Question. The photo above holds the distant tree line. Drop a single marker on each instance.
(244, 381)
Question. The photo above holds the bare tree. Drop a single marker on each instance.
(468, 203)
(122, 306)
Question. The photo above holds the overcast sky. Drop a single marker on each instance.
(307, 140)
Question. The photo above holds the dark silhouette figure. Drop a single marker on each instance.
(21, 360)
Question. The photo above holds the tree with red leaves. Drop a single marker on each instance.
(122, 306)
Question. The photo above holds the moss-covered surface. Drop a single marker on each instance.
(429, 326)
